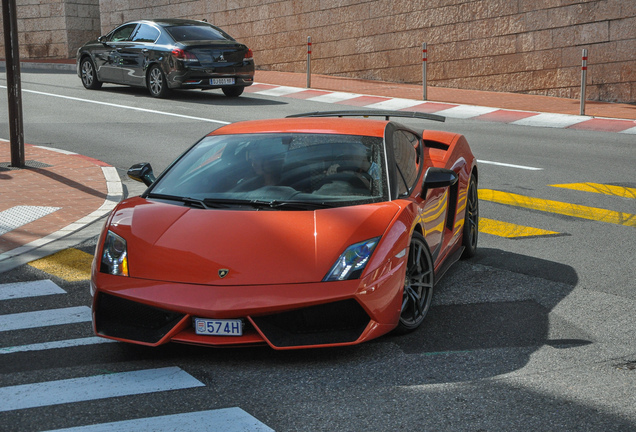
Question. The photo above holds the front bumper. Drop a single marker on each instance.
(282, 316)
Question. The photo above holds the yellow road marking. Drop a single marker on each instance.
(619, 191)
(509, 230)
(70, 264)
(574, 210)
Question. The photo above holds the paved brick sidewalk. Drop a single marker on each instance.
(56, 194)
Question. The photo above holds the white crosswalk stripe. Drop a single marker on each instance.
(112, 385)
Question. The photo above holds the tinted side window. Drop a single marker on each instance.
(146, 33)
(122, 33)
(405, 150)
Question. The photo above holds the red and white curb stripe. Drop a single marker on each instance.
(522, 118)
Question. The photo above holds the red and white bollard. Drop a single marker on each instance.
(583, 80)
(308, 61)
(424, 61)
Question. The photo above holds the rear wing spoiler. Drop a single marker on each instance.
(372, 113)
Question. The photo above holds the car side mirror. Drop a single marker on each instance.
(439, 178)
(102, 39)
(142, 172)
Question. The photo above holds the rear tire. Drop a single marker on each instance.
(157, 83)
(471, 220)
(233, 91)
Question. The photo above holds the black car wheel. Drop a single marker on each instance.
(89, 75)
(471, 220)
(233, 91)
(418, 285)
(156, 82)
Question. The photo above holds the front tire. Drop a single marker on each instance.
(418, 286)
(233, 91)
(471, 220)
(89, 75)
(157, 83)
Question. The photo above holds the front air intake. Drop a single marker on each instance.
(125, 319)
(331, 323)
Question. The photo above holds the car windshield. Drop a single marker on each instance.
(287, 171)
(184, 33)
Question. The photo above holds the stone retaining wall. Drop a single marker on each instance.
(528, 46)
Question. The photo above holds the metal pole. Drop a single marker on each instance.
(424, 62)
(308, 61)
(14, 86)
(583, 80)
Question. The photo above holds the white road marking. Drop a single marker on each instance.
(123, 106)
(334, 97)
(551, 120)
(395, 104)
(95, 387)
(225, 419)
(29, 289)
(18, 216)
(68, 343)
(280, 91)
(44, 318)
(465, 111)
(509, 165)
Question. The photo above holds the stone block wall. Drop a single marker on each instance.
(527, 46)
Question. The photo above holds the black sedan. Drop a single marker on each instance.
(167, 54)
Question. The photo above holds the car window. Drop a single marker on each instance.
(184, 33)
(146, 33)
(122, 33)
(405, 146)
(337, 170)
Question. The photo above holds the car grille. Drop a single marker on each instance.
(125, 319)
(331, 323)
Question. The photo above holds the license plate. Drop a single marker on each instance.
(218, 327)
(222, 81)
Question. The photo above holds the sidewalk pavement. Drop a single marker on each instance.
(58, 193)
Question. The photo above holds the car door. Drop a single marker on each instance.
(433, 206)
(134, 54)
(110, 59)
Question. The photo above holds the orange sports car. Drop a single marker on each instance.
(313, 231)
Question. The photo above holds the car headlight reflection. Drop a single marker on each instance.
(114, 256)
(352, 261)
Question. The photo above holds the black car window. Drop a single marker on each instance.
(122, 33)
(405, 146)
(184, 33)
(146, 33)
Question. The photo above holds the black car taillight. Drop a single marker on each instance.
(184, 55)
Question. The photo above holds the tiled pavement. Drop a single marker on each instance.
(58, 192)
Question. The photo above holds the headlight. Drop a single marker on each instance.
(114, 256)
(352, 261)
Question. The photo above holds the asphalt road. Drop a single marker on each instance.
(534, 333)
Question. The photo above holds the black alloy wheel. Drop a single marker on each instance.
(156, 82)
(418, 285)
(89, 75)
(471, 220)
(233, 91)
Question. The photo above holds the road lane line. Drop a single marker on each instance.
(29, 289)
(509, 230)
(44, 318)
(123, 106)
(95, 387)
(224, 419)
(619, 191)
(574, 210)
(68, 343)
(509, 165)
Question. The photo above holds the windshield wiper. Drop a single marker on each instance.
(208, 203)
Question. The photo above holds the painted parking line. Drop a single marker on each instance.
(225, 419)
(72, 265)
(29, 289)
(574, 210)
(95, 387)
(481, 161)
(618, 191)
(44, 318)
(510, 230)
